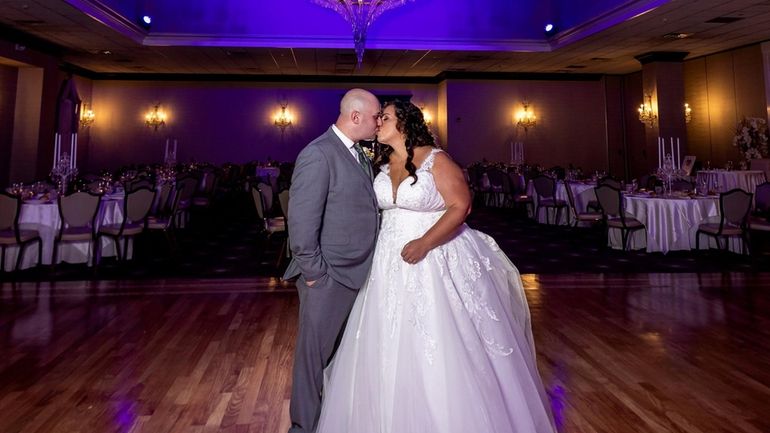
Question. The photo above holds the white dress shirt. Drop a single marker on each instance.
(346, 141)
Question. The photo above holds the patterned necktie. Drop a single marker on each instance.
(363, 161)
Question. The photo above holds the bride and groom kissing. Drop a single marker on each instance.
(427, 317)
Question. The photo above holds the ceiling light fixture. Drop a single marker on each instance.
(360, 14)
(145, 21)
(550, 30)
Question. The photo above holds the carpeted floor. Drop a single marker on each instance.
(226, 242)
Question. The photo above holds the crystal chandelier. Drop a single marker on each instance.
(360, 14)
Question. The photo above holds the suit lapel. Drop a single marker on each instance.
(345, 154)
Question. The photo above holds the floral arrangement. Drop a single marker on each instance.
(751, 138)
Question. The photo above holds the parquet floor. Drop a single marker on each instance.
(618, 353)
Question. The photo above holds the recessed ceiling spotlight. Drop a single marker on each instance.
(145, 21)
(550, 29)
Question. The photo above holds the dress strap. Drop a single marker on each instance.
(427, 164)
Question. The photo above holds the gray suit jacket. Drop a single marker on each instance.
(333, 215)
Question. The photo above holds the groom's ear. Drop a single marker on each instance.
(355, 117)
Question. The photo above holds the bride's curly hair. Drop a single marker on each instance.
(411, 123)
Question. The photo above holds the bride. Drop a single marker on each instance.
(439, 339)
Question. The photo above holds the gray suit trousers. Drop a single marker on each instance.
(323, 312)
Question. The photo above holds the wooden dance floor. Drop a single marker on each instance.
(618, 353)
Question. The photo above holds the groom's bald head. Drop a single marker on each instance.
(358, 114)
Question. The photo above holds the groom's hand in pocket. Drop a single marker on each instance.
(310, 283)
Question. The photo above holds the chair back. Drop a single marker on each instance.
(734, 206)
(283, 199)
(138, 183)
(545, 186)
(496, 177)
(208, 182)
(164, 196)
(518, 183)
(257, 197)
(10, 207)
(610, 200)
(267, 196)
(186, 186)
(762, 198)
(571, 198)
(79, 209)
(609, 181)
(138, 204)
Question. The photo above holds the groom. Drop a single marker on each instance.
(333, 224)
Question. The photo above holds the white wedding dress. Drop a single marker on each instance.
(441, 346)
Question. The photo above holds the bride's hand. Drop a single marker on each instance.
(414, 251)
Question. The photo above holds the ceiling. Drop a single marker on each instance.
(92, 46)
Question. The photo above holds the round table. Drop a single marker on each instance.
(671, 223)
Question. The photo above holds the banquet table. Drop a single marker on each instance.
(44, 217)
(582, 191)
(671, 223)
(723, 180)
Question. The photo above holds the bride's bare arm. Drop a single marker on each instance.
(451, 184)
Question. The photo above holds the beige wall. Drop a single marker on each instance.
(721, 89)
(571, 118)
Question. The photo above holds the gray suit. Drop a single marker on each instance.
(333, 222)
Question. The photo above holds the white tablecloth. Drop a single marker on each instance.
(44, 217)
(722, 181)
(583, 193)
(671, 224)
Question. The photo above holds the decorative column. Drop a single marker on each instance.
(663, 81)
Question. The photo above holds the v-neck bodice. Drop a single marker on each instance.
(422, 196)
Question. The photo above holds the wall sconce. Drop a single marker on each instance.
(426, 115)
(526, 119)
(87, 116)
(687, 113)
(155, 118)
(646, 115)
(284, 118)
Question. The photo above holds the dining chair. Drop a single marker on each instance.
(759, 220)
(734, 209)
(283, 199)
(136, 207)
(519, 192)
(165, 221)
(11, 234)
(138, 182)
(267, 197)
(579, 216)
(497, 180)
(609, 181)
(545, 187)
(186, 185)
(204, 196)
(162, 199)
(611, 202)
(270, 225)
(77, 214)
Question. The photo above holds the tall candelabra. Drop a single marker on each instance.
(64, 170)
(668, 172)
